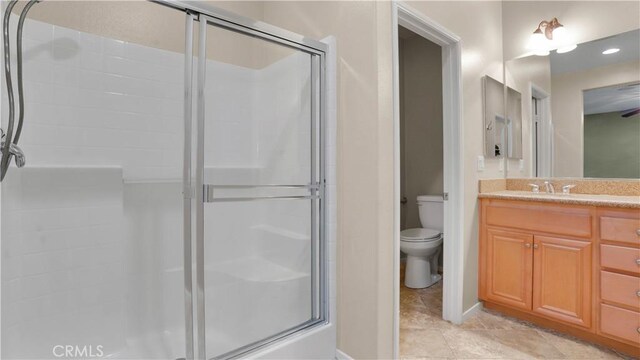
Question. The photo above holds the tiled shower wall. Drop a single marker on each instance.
(93, 101)
(85, 251)
(92, 229)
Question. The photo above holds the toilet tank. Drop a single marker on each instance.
(431, 211)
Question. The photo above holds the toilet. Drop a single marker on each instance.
(422, 245)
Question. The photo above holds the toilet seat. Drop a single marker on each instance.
(420, 235)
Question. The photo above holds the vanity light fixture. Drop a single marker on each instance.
(550, 35)
(610, 51)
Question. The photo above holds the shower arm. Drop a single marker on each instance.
(10, 143)
(23, 16)
(7, 74)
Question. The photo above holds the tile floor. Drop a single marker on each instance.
(424, 335)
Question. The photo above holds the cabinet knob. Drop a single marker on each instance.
(638, 293)
(527, 245)
(638, 232)
(638, 261)
(535, 246)
(638, 330)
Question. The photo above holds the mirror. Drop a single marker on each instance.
(502, 136)
(494, 122)
(580, 110)
(514, 121)
(612, 131)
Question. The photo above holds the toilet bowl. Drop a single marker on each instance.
(423, 245)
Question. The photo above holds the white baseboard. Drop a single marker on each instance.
(340, 355)
(472, 311)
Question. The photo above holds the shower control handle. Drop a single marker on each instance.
(404, 200)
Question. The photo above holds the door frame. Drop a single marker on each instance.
(542, 149)
(452, 306)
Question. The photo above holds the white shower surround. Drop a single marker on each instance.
(103, 138)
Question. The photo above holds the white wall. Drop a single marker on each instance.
(102, 117)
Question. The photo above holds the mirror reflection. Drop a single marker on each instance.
(580, 110)
(494, 120)
(502, 135)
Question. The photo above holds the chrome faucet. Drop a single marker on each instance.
(566, 189)
(14, 150)
(549, 186)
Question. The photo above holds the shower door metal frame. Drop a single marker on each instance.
(200, 193)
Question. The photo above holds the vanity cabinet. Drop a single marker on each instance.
(509, 268)
(573, 268)
(619, 275)
(562, 279)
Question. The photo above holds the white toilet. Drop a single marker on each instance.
(422, 245)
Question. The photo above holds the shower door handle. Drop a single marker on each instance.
(210, 197)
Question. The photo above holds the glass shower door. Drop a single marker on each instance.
(259, 248)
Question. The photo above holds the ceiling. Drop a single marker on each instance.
(612, 98)
(589, 55)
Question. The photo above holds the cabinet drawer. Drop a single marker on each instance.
(620, 258)
(621, 323)
(620, 289)
(555, 219)
(620, 229)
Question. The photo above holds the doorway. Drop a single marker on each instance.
(421, 184)
(452, 163)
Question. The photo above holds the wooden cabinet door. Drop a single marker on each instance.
(562, 279)
(509, 268)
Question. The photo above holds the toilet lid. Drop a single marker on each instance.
(419, 234)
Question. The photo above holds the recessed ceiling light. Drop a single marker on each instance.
(610, 51)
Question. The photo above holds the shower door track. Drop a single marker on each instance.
(196, 193)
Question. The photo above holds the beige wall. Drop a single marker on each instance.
(519, 74)
(365, 168)
(135, 21)
(421, 167)
(567, 110)
(587, 20)
(161, 27)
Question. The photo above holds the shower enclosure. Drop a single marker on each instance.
(173, 203)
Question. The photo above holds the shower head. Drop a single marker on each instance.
(18, 154)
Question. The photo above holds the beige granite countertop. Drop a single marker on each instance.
(578, 199)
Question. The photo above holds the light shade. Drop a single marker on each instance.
(560, 35)
(550, 35)
(537, 42)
